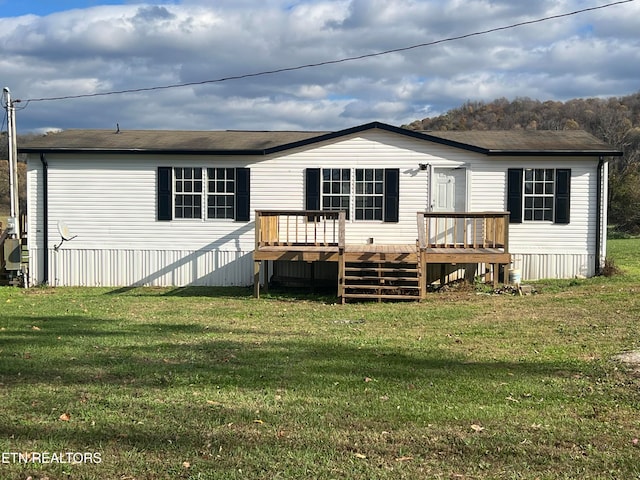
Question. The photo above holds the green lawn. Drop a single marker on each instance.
(199, 383)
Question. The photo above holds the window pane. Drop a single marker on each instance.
(539, 188)
(548, 188)
(549, 174)
(537, 215)
(548, 215)
(379, 175)
(528, 188)
(368, 175)
(346, 174)
(359, 175)
(528, 175)
(539, 174)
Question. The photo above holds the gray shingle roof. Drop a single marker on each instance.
(160, 140)
(516, 142)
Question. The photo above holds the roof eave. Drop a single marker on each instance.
(554, 153)
(156, 151)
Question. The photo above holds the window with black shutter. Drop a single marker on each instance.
(538, 195)
(203, 193)
(363, 193)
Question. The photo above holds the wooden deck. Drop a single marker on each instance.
(380, 271)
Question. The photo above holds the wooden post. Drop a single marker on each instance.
(256, 263)
(256, 278)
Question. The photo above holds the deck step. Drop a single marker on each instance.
(381, 296)
(386, 279)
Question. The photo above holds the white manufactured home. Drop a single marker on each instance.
(177, 208)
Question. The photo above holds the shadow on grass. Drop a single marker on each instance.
(132, 374)
(326, 295)
(74, 351)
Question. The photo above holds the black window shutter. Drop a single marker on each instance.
(391, 194)
(514, 194)
(242, 196)
(563, 193)
(312, 189)
(164, 193)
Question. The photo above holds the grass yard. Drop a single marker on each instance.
(212, 384)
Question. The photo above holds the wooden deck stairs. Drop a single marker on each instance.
(381, 280)
(380, 272)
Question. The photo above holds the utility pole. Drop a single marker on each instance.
(14, 219)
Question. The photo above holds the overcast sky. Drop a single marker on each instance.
(65, 48)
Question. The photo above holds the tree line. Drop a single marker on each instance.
(615, 120)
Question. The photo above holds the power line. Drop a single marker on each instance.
(329, 62)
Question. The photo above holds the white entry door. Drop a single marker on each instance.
(450, 190)
(449, 195)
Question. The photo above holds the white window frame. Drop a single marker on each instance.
(538, 194)
(362, 195)
(188, 187)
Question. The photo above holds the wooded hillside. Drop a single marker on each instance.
(614, 120)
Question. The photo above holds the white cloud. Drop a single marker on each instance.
(137, 45)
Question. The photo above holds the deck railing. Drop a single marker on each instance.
(300, 228)
(463, 230)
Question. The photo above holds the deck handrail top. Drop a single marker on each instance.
(462, 214)
(302, 213)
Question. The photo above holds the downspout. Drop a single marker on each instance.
(598, 265)
(45, 216)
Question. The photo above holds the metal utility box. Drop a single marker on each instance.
(12, 253)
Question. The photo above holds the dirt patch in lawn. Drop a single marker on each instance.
(630, 359)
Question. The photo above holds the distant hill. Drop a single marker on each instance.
(614, 120)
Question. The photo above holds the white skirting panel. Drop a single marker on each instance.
(117, 268)
(542, 266)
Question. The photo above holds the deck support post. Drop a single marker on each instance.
(341, 273)
(256, 278)
(423, 268)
